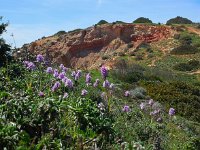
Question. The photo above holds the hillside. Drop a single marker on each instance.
(97, 45)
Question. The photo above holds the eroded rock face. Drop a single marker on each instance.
(85, 48)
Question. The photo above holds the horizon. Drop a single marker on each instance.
(50, 16)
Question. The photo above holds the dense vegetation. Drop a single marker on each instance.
(179, 20)
(142, 20)
(5, 49)
(102, 22)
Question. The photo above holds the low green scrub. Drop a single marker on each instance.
(184, 50)
(184, 97)
(189, 66)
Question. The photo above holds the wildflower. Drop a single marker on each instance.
(55, 74)
(41, 94)
(151, 102)
(126, 108)
(142, 106)
(61, 75)
(159, 120)
(61, 66)
(96, 83)
(39, 58)
(111, 86)
(69, 83)
(66, 95)
(127, 94)
(25, 63)
(171, 111)
(106, 84)
(104, 72)
(31, 66)
(84, 92)
(49, 70)
(73, 73)
(64, 69)
(55, 87)
(64, 79)
(88, 78)
(78, 75)
(101, 106)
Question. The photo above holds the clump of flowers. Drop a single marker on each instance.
(88, 78)
(96, 83)
(104, 72)
(171, 111)
(55, 73)
(31, 66)
(84, 92)
(126, 108)
(106, 84)
(55, 86)
(39, 58)
(69, 83)
(49, 70)
(127, 94)
(41, 94)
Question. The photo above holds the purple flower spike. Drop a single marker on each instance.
(55, 73)
(61, 75)
(73, 73)
(41, 94)
(66, 95)
(78, 75)
(126, 109)
(26, 63)
(127, 94)
(64, 69)
(151, 102)
(96, 83)
(106, 84)
(49, 70)
(84, 92)
(61, 66)
(31, 66)
(88, 78)
(104, 72)
(142, 106)
(55, 87)
(39, 58)
(64, 79)
(69, 83)
(159, 120)
(171, 111)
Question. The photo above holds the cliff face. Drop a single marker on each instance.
(86, 48)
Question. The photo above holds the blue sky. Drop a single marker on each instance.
(33, 19)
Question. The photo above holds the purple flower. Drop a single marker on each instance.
(111, 86)
(69, 83)
(151, 102)
(127, 94)
(41, 94)
(78, 75)
(126, 109)
(106, 84)
(55, 86)
(64, 69)
(73, 73)
(31, 66)
(155, 112)
(66, 95)
(84, 92)
(171, 111)
(26, 63)
(39, 58)
(96, 83)
(64, 79)
(61, 75)
(49, 70)
(61, 66)
(159, 120)
(55, 73)
(142, 106)
(104, 72)
(88, 78)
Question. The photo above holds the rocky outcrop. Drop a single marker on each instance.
(85, 48)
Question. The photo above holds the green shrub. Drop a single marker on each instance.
(191, 65)
(179, 20)
(184, 49)
(182, 96)
(101, 22)
(142, 20)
